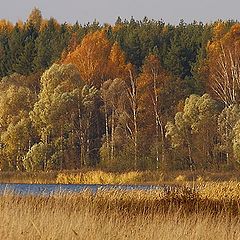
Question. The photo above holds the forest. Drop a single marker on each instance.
(135, 95)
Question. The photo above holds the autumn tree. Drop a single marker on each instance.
(91, 57)
(236, 144)
(53, 111)
(151, 82)
(35, 18)
(121, 116)
(223, 64)
(117, 64)
(16, 142)
(113, 91)
(194, 131)
(66, 118)
(16, 133)
(133, 114)
(114, 95)
(159, 94)
(227, 120)
(119, 92)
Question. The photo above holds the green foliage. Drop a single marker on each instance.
(37, 158)
(185, 44)
(236, 142)
(193, 132)
(227, 129)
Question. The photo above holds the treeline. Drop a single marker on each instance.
(140, 95)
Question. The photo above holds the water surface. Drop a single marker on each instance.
(42, 189)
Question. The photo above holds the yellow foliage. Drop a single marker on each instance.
(91, 57)
(5, 25)
(97, 59)
(117, 28)
(219, 30)
(223, 50)
(117, 66)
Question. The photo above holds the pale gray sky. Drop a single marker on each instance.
(106, 11)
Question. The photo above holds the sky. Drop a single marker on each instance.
(107, 11)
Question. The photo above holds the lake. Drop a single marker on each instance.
(46, 189)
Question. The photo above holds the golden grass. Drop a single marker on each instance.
(228, 191)
(89, 176)
(28, 177)
(181, 214)
(101, 177)
(138, 177)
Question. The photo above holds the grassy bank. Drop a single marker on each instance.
(28, 177)
(87, 176)
(183, 214)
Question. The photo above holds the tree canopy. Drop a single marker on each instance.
(141, 95)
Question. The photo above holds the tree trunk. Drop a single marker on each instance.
(133, 99)
(112, 136)
(107, 132)
(163, 143)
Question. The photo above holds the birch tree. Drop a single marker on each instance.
(152, 83)
(194, 131)
(114, 95)
(227, 120)
(224, 66)
(91, 58)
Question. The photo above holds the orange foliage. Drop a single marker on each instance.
(72, 43)
(151, 83)
(152, 71)
(223, 64)
(117, 62)
(91, 57)
(97, 59)
(6, 25)
(233, 36)
(227, 40)
(219, 30)
(20, 24)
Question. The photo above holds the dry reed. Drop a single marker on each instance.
(181, 214)
(102, 177)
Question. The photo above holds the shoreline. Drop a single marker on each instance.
(145, 178)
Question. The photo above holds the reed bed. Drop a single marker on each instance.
(90, 176)
(101, 177)
(140, 177)
(28, 177)
(183, 213)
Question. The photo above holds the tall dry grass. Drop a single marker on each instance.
(91, 176)
(139, 177)
(28, 177)
(101, 177)
(164, 215)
